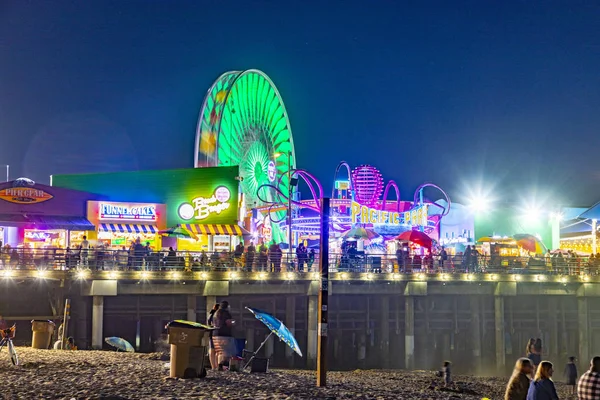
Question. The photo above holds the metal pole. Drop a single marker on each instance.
(323, 296)
(290, 255)
(65, 322)
(594, 242)
(7, 174)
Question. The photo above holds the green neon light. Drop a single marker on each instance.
(244, 122)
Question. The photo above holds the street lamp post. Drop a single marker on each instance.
(7, 172)
(289, 205)
(290, 193)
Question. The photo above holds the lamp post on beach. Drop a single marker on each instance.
(323, 311)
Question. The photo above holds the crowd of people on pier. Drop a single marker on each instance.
(274, 257)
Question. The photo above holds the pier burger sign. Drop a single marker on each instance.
(201, 208)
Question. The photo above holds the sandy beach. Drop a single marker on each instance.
(52, 374)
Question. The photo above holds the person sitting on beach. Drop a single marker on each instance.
(518, 385)
(70, 344)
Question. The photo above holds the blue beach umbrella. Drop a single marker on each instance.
(119, 344)
(277, 327)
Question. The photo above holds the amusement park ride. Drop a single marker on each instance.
(243, 122)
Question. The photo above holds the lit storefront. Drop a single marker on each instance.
(199, 214)
(38, 216)
(205, 201)
(121, 224)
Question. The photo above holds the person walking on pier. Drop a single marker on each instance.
(250, 253)
(262, 256)
(518, 385)
(588, 387)
(275, 255)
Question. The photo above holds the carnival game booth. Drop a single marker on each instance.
(205, 201)
(37, 218)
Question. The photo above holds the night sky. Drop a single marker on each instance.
(502, 95)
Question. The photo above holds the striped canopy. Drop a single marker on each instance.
(128, 228)
(210, 229)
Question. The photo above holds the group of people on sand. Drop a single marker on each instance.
(532, 377)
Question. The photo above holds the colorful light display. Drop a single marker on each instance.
(367, 182)
(243, 122)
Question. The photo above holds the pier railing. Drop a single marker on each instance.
(352, 263)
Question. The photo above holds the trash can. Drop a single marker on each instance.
(42, 333)
(189, 343)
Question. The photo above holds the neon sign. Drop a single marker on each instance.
(367, 215)
(127, 211)
(266, 230)
(201, 207)
(271, 171)
(24, 195)
(34, 236)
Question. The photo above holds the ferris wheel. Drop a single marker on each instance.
(243, 122)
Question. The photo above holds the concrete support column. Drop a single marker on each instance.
(475, 329)
(409, 332)
(192, 314)
(97, 322)
(311, 340)
(250, 339)
(290, 322)
(385, 332)
(584, 331)
(210, 302)
(553, 325)
(269, 346)
(500, 341)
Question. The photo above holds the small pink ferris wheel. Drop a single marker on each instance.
(367, 182)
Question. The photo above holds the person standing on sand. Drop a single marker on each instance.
(212, 354)
(588, 387)
(518, 385)
(542, 387)
(223, 336)
(571, 375)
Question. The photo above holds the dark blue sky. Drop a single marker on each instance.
(507, 93)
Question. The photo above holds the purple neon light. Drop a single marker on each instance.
(337, 170)
(385, 194)
(282, 197)
(368, 185)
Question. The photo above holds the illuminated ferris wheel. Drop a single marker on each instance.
(243, 122)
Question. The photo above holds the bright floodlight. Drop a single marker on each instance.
(479, 204)
(81, 274)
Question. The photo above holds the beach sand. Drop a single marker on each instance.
(50, 374)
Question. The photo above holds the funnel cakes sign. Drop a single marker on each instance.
(24, 192)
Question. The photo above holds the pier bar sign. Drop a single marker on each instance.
(24, 195)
